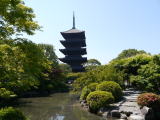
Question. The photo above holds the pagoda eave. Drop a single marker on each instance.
(73, 51)
(73, 60)
(73, 43)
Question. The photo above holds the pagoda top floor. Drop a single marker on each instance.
(73, 34)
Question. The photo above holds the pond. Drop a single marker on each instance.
(59, 106)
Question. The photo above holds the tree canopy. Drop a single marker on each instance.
(91, 64)
(129, 53)
(16, 18)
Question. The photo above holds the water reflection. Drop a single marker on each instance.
(61, 106)
(57, 117)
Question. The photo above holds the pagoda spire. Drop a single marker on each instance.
(73, 21)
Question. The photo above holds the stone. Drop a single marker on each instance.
(83, 103)
(105, 115)
(144, 110)
(123, 116)
(135, 117)
(115, 113)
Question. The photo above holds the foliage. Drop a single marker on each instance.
(140, 71)
(111, 86)
(148, 99)
(98, 75)
(87, 89)
(11, 114)
(65, 68)
(98, 99)
(22, 63)
(91, 64)
(129, 53)
(131, 65)
(54, 81)
(6, 94)
(84, 93)
(149, 77)
(49, 52)
(16, 18)
(25, 67)
(92, 86)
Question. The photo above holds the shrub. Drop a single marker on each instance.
(148, 99)
(92, 86)
(98, 99)
(112, 87)
(11, 114)
(85, 92)
(87, 89)
(6, 94)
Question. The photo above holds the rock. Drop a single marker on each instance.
(135, 117)
(115, 113)
(123, 116)
(83, 103)
(144, 110)
(105, 114)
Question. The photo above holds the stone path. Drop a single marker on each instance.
(129, 105)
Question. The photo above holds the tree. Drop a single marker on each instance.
(49, 52)
(16, 18)
(91, 64)
(65, 68)
(22, 63)
(130, 53)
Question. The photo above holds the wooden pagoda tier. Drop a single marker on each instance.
(74, 44)
(74, 51)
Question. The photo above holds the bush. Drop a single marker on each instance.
(149, 100)
(87, 89)
(6, 94)
(85, 92)
(112, 87)
(98, 99)
(11, 114)
(92, 86)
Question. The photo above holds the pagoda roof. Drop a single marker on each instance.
(73, 31)
(73, 43)
(74, 51)
(73, 59)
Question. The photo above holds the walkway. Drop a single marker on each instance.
(129, 106)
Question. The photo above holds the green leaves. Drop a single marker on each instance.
(16, 18)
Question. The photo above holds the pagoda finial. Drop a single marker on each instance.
(73, 21)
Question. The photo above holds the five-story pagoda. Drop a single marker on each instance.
(74, 44)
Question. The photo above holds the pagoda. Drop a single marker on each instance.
(74, 44)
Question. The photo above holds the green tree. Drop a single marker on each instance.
(49, 52)
(130, 53)
(16, 18)
(91, 64)
(65, 68)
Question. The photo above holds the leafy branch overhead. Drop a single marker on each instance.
(16, 18)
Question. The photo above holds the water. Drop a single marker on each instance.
(60, 106)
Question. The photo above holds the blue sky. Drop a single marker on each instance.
(111, 25)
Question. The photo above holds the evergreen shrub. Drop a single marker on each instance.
(111, 86)
(87, 89)
(98, 99)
